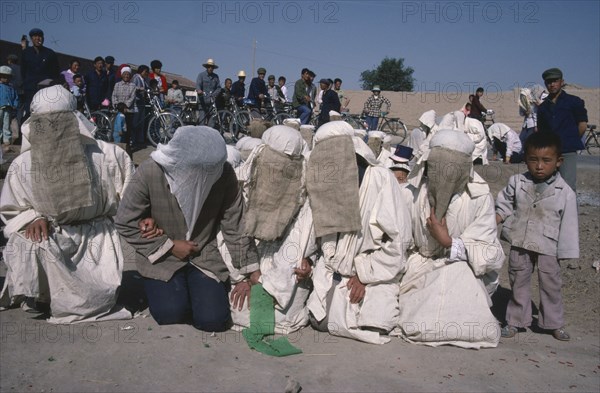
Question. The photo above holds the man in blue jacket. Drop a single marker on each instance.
(566, 116)
(38, 63)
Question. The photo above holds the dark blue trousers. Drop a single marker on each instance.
(189, 296)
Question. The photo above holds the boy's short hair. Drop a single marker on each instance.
(282, 78)
(99, 58)
(304, 71)
(75, 76)
(540, 140)
(468, 106)
(479, 89)
(121, 107)
(228, 79)
(336, 80)
(142, 68)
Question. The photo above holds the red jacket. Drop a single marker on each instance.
(163, 82)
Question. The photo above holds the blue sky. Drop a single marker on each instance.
(450, 44)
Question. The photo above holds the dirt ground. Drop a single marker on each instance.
(140, 356)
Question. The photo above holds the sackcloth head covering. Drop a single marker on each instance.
(307, 131)
(192, 162)
(276, 183)
(56, 133)
(332, 178)
(334, 115)
(375, 141)
(449, 167)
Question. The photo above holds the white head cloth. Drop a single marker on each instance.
(498, 130)
(292, 122)
(449, 139)
(284, 139)
(248, 143)
(428, 118)
(57, 99)
(360, 133)
(193, 162)
(339, 127)
(233, 156)
(376, 134)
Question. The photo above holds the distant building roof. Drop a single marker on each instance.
(64, 59)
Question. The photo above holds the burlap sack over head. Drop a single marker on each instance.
(448, 172)
(63, 180)
(275, 195)
(332, 184)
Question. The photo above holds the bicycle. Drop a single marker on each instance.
(223, 119)
(162, 123)
(390, 125)
(103, 120)
(591, 140)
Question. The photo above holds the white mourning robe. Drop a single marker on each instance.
(79, 268)
(445, 301)
(376, 254)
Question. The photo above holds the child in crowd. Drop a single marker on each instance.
(120, 127)
(539, 211)
(9, 101)
(78, 90)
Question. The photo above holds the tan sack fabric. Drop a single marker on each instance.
(275, 194)
(448, 173)
(63, 176)
(332, 184)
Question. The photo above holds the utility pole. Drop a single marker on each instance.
(253, 56)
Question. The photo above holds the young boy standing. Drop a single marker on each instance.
(543, 229)
(8, 105)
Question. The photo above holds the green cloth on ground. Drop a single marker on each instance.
(262, 324)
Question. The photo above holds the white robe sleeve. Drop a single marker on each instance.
(389, 225)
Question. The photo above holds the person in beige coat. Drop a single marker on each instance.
(539, 211)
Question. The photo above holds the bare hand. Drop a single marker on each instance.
(438, 229)
(37, 230)
(254, 277)
(149, 228)
(303, 272)
(239, 294)
(183, 249)
(357, 289)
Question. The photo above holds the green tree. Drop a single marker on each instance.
(391, 74)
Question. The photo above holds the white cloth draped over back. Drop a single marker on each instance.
(375, 253)
(445, 296)
(279, 258)
(79, 268)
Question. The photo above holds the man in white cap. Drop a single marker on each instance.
(364, 232)
(58, 203)
(190, 192)
(124, 92)
(238, 88)
(445, 292)
(208, 87)
(373, 107)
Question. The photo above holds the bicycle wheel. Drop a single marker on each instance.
(280, 118)
(357, 125)
(189, 117)
(395, 127)
(162, 127)
(225, 121)
(242, 121)
(104, 127)
(592, 145)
